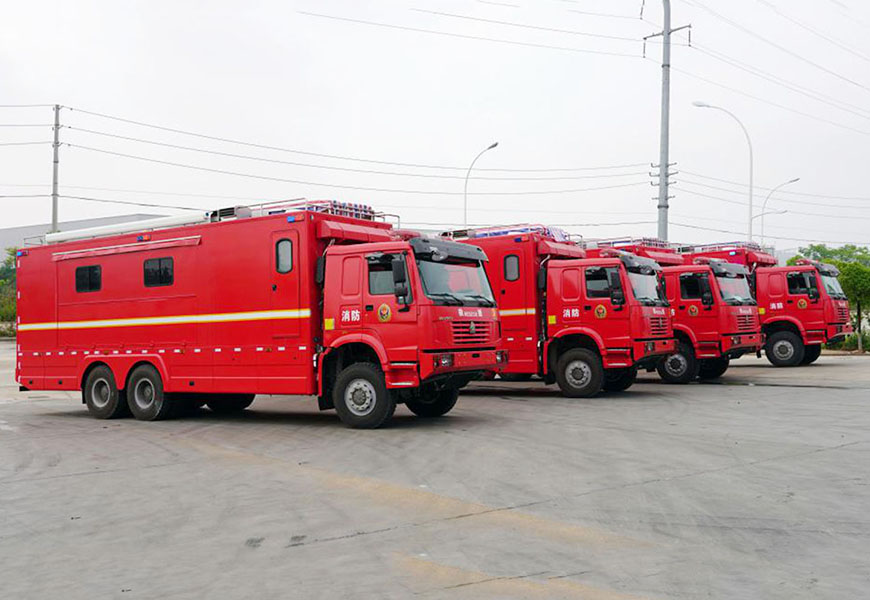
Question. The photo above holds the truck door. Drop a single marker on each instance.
(518, 309)
(702, 319)
(610, 320)
(281, 364)
(393, 323)
(803, 299)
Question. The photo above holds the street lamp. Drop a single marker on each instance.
(764, 206)
(700, 104)
(465, 194)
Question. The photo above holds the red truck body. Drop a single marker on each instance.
(715, 317)
(288, 302)
(801, 307)
(560, 312)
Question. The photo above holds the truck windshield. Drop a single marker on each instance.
(735, 289)
(833, 287)
(647, 288)
(459, 283)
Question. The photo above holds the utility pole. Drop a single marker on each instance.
(56, 146)
(664, 147)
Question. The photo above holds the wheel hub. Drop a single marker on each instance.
(783, 350)
(100, 393)
(360, 397)
(143, 394)
(578, 373)
(676, 365)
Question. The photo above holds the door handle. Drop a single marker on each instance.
(274, 287)
(790, 301)
(682, 307)
(587, 307)
(370, 307)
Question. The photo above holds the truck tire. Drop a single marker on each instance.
(681, 366)
(361, 398)
(619, 380)
(145, 395)
(433, 405)
(811, 354)
(515, 377)
(579, 373)
(102, 396)
(784, 349)
(225, 404)
(713, 368)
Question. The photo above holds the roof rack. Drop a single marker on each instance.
(557, 234)
(620, 242)
(753, 246)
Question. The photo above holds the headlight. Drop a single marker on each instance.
(501, 356)
(443, 360)
(650, 346)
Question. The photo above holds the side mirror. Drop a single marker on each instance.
(813, 294)
(707, 298)
(542, 278)
(320, 270)
(617, 296)
(399, 275)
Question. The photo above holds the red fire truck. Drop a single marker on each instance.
(715, 315)
(801, 307)
(587, 324)
(314, 298)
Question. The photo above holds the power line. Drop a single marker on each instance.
(773, 237)
(776, 104)
(467, 37)
(26, 105)
(25, 125)
(606, 15)
(814, 31)
(790, 192)
(345, 169)
(793, 212)
(779, 47)
(146, 204)
(23, 143)
(335, 156)
(789, 85)
(792, 201)
(349, 187)
(26, 196)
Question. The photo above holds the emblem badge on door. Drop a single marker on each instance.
(384, 313)
(693, 311)
(802, 303)
(601, 311)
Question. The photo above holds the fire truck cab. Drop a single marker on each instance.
(584, 323)
(313, 298)
(801, 307)
(714, 314)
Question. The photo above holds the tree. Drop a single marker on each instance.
(855, 279)
(848, 254)
(7, 287)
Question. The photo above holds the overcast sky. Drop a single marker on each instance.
(355, 82)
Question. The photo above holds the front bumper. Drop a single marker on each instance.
(440, 363)
(641, 351)
(740, 343)
(837, 331)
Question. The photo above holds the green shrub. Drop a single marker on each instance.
(851, 342)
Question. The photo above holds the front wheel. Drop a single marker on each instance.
(679, 367)
(361, 398)
(619, 380)
(812, 354)
(579, 373)
(433, 405)
(713, 368)
(784, 349)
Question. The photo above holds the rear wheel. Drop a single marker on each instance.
(515, 377)
(145, 395)
(619, 380)
(579, 373)
(811, 354)
(436, 404)
(713, 368)
(784, 349)
(361, 398)
(229, 403)
(679, 367)
(102, 396)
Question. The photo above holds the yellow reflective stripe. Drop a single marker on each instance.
(513, 312)
(257, 315)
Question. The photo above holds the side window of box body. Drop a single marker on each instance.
(89, 279)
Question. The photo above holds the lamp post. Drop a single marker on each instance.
(465, 193)
(764, 205)
(749, 142)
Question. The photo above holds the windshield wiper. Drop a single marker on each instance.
(481, 299)
(454, 300)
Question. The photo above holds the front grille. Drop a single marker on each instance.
(472, 332)
(746, 323)
(842, 314)
(658, 326)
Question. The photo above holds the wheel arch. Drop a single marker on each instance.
(785, 324)
(572, 338)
